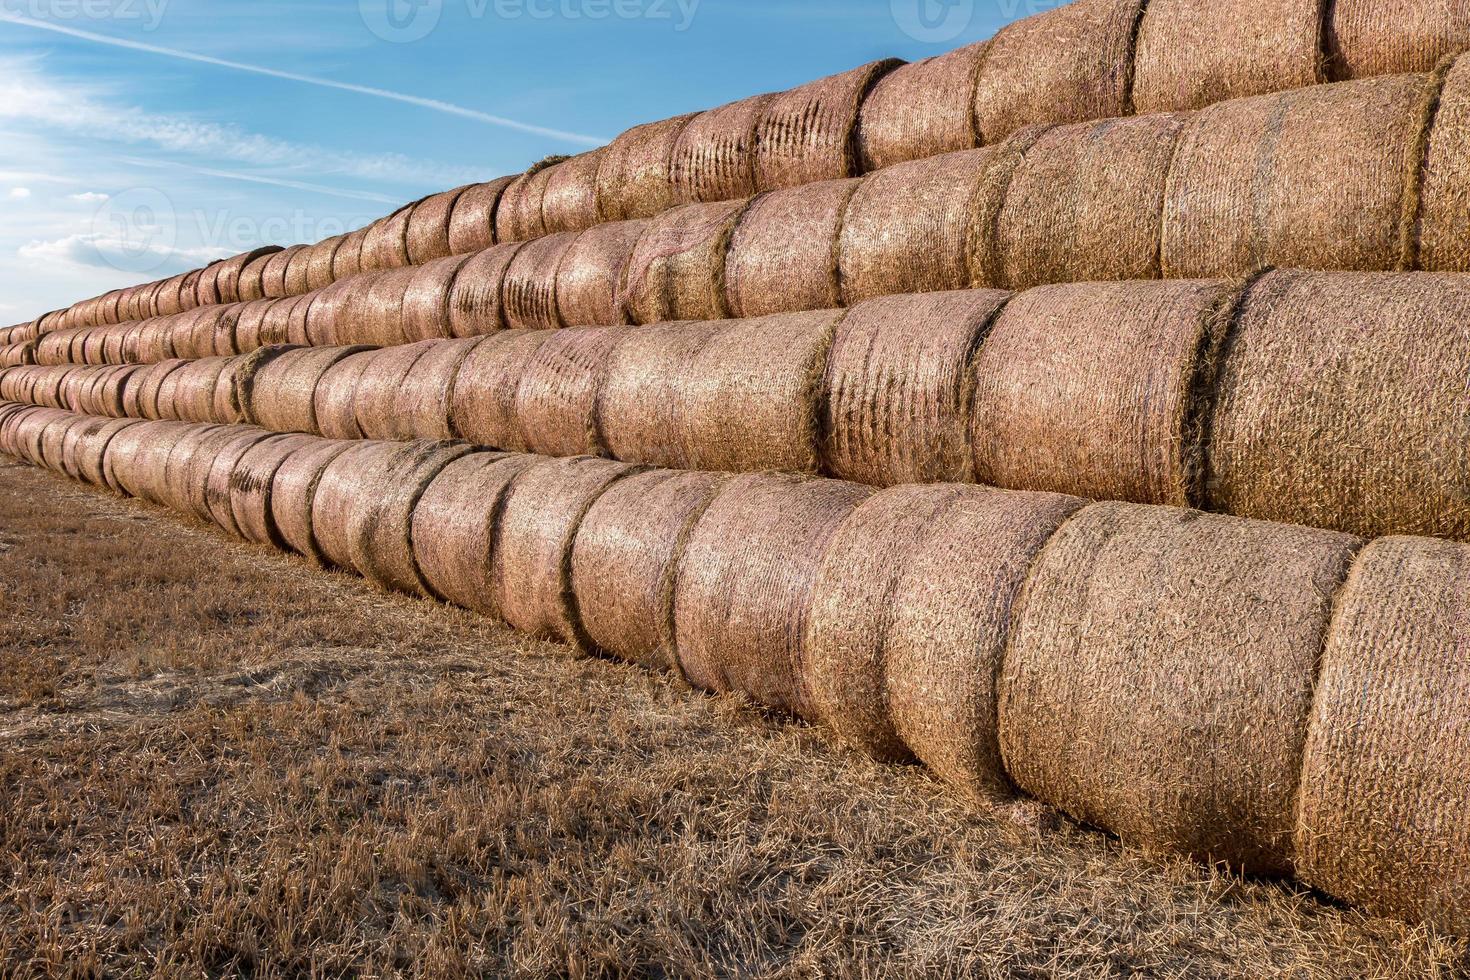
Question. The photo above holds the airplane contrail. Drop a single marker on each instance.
(437, 105)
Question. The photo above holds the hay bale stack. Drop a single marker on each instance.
(427, 237)
(528, 294)
(591, 272)
(634, 179)
(908, 228)
(208, 331)
(1384, 783)
(1086, 203)
(1097, 389)
(106, 397)
(347, 260)
(55, 347)
(334, 403)
(385, 242)
(456, 524)
(1440, 238)
(1068, 64)
(252, 483)
(475, 307)
(519, 217)
(425, 314)
(482, 405)
(1318, 178)
(745, 583)
(806, 134)
(298, 318)
(677, 271)
(570, 200)
(293, 495)
(53, 440)
(86, 445)
(1184, 645)
(327, 311)
(739, 396)
(714, 157)
(209, 478)
(1384, 37)
(783, 253)
(207, 292)
(275, 322)
(1194, 53)
(363, 511)
(378, 387)
(1341, 403)
(278, 390)
(556, 403)
(424, 400)
(472, 220)
(531, 566)
(896, 388)
(921, 110)
(624, 560)
(319, 273)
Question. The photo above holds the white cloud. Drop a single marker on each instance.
(88, 197)
(19, 193)
(102, 251)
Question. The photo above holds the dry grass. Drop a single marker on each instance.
(215, 760)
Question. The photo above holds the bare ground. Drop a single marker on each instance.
(216, 760)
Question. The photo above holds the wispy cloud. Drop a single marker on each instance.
(102, 251)
(88, 197)
(436, 105)
(299, 185)
(19, 193)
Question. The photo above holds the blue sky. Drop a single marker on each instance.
(104, 146)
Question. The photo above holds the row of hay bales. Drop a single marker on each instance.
(1331, 177)
(1286, 700)
(1087, 60)
(1330, 399)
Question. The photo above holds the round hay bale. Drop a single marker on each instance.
(319, 274)
(1184, 646)
(326, 311)
(1099, 389)
(298, 270)
(557, 398)
(378, 319)
(209, 479)
(293, 492)
(633, 178)
(423, 402)
(273, 276)
(1250, 184)
(108, 396)
(426, 299)
(482, 404)
(228, 279)
(55, 347)
(807, 134)
(141, 397)
(94, 345)
(714, 157)
(334, 403)
(1193, 53)
(677, 271)
(739, 396)
(1384, 782)
(1067, 64)
(625, 556)
(743, 589)
(456, 524)
(279, 391)
(1439, 239)
(531, 563)
(86, 448)
(782, 255)
(921, 110)
(570, 200)
(475, 307)
(1086, 203)
(385, 244)
(132, 343)
(1340, 403)
(350, 305)
(428, 227)
(113, 344)
(907, 229)
(208, 332)
(167, 303)
(189, 394)
(472, 218)
(1366, 38)
(528, 293)
(252, 482)
(53, 439)
(137, 458)
(897, 386)
(298, 319)
(363, 511)
(518, 217)
(376, 392)
(347, 260)
(190, 458)
(250, 331)
(591, 271)
(251, 284)
(207, 291)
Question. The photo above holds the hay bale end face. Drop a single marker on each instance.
(921, 110)
(625, 556)
(1185, 645)
(280, 393)
(425, 310)
(334, 401)
(422, 403)
(377, 389)
(744, 584)
(1341, 403)
(427, 236)
(252, 483)
(782, 255)
(1381, 821)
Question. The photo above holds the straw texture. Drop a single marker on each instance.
(475, 296)
(921, 110)
(805, 134)
(472, 219)
(634, 178)
(1384, 37)
(783, 253)
(557, 399)
(591, 273)
(677, 271)
(528, 292)
(482, 405)
(714, 157)
(293, 495)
